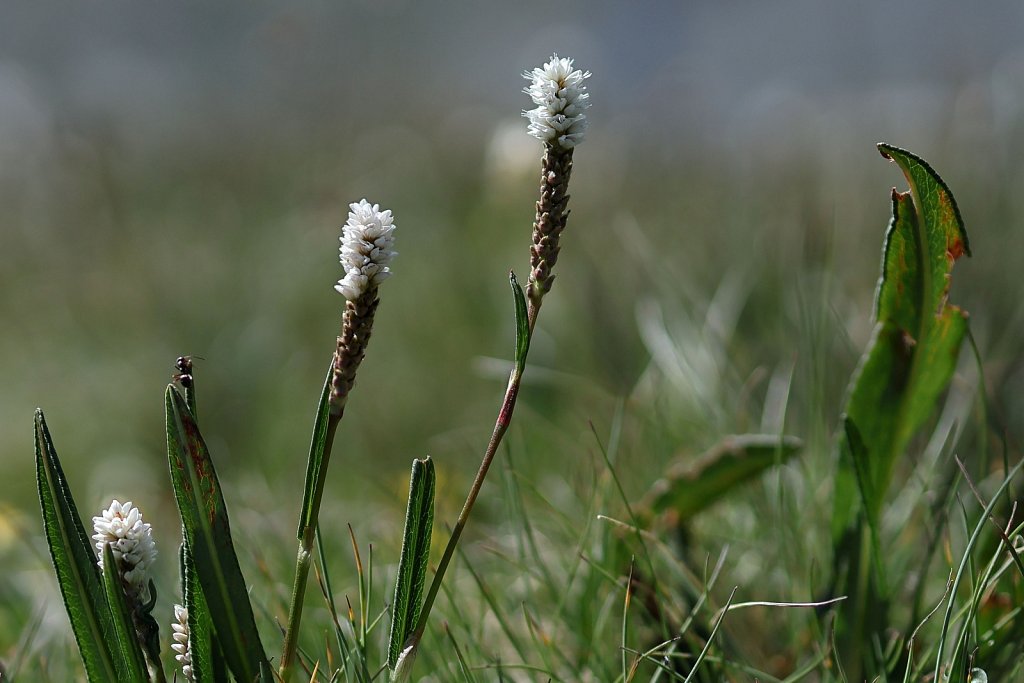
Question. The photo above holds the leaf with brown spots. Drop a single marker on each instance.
(205, 525)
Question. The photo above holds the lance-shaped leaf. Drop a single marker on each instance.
(317, 455)
(205, 522)
(693, 484)
(412, 568)
(522, 323)
(127, 642)
(914, 348)
(75, 564)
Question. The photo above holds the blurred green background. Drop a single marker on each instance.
(173, 178)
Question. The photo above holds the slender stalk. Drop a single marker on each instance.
(508, 405)
(304, 559)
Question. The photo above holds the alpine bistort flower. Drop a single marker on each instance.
(561, 98)
(180, 645)
(132, 544)
(366, 241)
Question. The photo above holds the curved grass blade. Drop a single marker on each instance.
(691, 485)
(412, 568)
(74, 563)
(207, 532)
(124, 628)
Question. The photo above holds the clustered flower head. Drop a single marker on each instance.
(131, 541)
(561, 98)
(180, 645)
(366, 241)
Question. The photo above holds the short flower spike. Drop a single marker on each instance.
(366, 240)
(131, 540)
(561, 98)
(179, 627)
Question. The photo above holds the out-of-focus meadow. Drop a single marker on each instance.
(173, 179)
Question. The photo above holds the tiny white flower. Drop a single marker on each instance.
(366, 240)
(561, 98)
(131, 541)
(180, 645)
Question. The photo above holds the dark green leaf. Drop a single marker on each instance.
(315, 463)
(412, 569)
(917, 338)
(200, 625)
(74, 563)
(127, 641)
(207, 532)
(522, 322)
(693, 484)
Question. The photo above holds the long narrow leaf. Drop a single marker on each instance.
(316, 455)
(75, 563)
(412, 568)
(127, 641)
(207, 532)
(522, 322)
(200, 625)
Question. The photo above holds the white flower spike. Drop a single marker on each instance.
(366, 240)
(561, 98)
(132, 543)
(180, 645)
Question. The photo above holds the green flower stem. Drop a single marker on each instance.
(304, 560)
(508, 405)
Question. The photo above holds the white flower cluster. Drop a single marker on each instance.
(366, 241)
(180, 644)
(131, 540)
(561, 98)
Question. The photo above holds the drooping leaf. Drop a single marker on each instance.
(127, 642)
(207, 532)
(75, 564)
(916, 342)
(412, 568)
(317, 449)
(693, 484)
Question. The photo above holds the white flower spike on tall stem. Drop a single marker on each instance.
(366, 240)
(131, 541)
(561, 98)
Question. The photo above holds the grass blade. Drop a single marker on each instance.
(205, 522)
(74, 563)
(412, 568)
(127, 641)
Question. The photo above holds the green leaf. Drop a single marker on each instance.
(412, 568)
(205, 521)
(522, 322)
(124, 628)
(315, 463)
(691, 485)
(200, 624)
(916, 342)
(74, 563)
